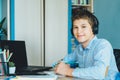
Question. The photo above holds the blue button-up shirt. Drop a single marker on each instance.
(96, 61)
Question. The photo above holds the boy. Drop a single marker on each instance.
(94, 56)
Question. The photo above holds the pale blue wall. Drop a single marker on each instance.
(3, 13)
(108, 13)
(4, 8)
(0, 10)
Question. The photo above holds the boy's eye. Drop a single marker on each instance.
(75, 27)
(83, 26)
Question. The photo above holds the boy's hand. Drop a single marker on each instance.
(63, 69)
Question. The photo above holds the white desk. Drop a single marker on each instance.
(59, 77)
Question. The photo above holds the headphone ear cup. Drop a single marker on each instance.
(95, 26)
(95, 30)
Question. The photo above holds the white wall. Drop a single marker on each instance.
(28, 28)
(56, 19)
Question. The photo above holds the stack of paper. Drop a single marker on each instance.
(35, 77)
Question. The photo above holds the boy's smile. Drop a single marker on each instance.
(82, 31)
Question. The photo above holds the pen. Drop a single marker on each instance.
(9, 57)
(7, 53)
(4, 55)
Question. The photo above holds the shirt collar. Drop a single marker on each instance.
(91, 43)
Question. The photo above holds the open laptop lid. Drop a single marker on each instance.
(18, 48)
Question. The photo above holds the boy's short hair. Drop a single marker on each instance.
(82, 13)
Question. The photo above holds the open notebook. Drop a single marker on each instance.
(19, 57)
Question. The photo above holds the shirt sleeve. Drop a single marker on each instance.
(102, 58)
(70, 57)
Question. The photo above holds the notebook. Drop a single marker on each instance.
(19, 57)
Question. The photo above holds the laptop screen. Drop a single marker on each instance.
(18, 48)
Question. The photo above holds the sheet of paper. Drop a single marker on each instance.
(35, 77)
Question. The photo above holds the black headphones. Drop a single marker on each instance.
(94, 27)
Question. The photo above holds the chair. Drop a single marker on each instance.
(117, 57)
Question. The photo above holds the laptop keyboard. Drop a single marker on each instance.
(31, 73)
(34, 69)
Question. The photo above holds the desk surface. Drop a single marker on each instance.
(71, 78)
(68, 78)
(59, 77)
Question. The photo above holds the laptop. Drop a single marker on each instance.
(19, 57)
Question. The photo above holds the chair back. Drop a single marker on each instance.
(117, 57)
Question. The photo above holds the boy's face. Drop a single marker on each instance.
(82, 31)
